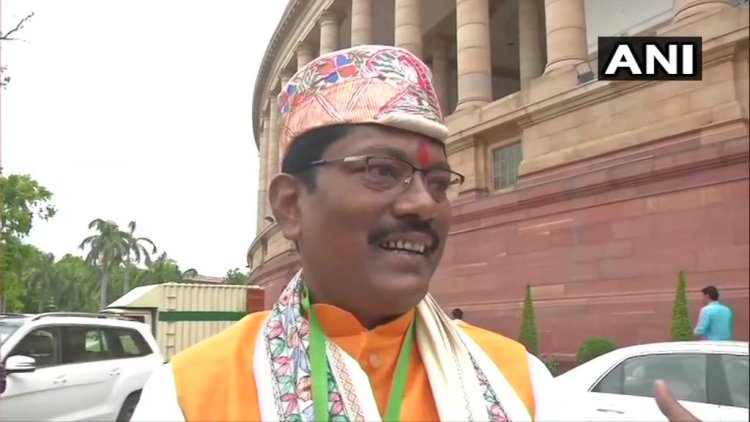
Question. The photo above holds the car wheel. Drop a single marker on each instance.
(126, 412)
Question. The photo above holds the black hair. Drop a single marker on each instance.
(308, 147)
(457, 313)
(711, 291)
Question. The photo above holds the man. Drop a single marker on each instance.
(458, 314)
(363, 194)
(715, 321)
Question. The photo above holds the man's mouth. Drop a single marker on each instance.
(404, 246)
(409, 243)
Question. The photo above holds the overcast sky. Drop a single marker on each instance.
(139, 110)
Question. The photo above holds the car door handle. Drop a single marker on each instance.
(619, 412)
(62, 379)
(114, 372)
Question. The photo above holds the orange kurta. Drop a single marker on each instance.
(215, 382)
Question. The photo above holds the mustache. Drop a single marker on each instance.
(405, 226)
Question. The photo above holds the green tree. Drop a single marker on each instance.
(24, 200)
(235, 276)
(33, 281)
(139, 249)
(21, 290)
(78, 285)
(528, 335)
(594, 347)
(108, 249)
(162, 270)
(43, 278)
(681, 329)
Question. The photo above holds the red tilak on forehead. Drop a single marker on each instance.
(423, 153)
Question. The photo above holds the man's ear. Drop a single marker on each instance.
(284, 197)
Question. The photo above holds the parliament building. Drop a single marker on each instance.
(595, 193)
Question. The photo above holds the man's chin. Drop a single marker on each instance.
(398, 291)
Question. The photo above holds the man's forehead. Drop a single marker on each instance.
(400, 144)
(424, 153)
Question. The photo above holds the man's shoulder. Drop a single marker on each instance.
(236, 339)
(220, 366)
(510, 357)
(716, 308)
(490, 340)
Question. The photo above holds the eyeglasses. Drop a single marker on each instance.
(384, 173)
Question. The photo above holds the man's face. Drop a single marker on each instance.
(366, 248)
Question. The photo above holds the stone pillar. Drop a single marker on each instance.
(275, 156)
(408, 26)
(329, 32)
(362, 17)
(273, 136)
(440, 51)
(566, 33)
(530, 40)
(686, 8)
(305, 54)
(263, 177)
(283, 80)
(473, 53)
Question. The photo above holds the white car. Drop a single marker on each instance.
(709, 378)
(74, 366)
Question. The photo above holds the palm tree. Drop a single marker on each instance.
(136, 252)
(107, 249)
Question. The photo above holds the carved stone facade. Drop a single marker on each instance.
(621, 186)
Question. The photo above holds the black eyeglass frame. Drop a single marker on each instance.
(458, 181)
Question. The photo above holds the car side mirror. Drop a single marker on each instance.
(19, 364)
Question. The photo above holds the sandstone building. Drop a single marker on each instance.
(594, 193)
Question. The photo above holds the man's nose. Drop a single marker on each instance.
(416, 201)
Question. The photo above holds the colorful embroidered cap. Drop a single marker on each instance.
(363, 84)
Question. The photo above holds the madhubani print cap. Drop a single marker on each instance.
(364, 84)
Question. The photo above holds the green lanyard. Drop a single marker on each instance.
(319, 368)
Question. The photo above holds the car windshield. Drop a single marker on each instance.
(7, 328)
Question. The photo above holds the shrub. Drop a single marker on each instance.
(528, 335)
(553, 365)
(681, 329)
(594, 347)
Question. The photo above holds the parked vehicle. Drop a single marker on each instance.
(182, 314)
(709, 378)
(74, 366)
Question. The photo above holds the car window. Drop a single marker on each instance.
(610, 383)
(684, 373)
(735, 370)
(42, 344)
(84, 344)
(6, 329)
(129, 343)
